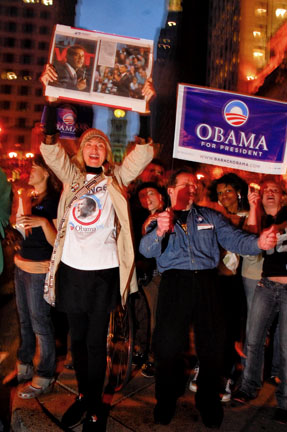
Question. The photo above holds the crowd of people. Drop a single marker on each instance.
(218, 269)
(128, 75)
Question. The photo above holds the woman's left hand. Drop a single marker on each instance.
(29, 221)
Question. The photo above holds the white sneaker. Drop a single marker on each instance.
(226, 397)
(38, 386)
(192, 384)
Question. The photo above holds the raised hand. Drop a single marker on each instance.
(148, 90)
(49, 74)
(164, 222)
(268, 238)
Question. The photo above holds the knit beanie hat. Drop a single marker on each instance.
(97, 133)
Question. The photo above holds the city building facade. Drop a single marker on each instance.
(26, 27)
(247, 42)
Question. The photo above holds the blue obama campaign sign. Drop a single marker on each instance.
(231, 130)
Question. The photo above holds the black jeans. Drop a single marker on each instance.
(89, 338)
(185, 298)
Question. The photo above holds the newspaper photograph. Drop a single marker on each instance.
(100, 68)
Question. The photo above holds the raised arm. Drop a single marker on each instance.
(251, 223)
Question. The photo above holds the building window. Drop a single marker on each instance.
(12, 11)
(39, 92)
(27, 43)
(28, 28)
(45, 15)
(38, 108)
(43, 30)
(22, 106)
(8, 58)
(28, 13)
(24, 91)
(10, 75)
(5, 105)
(21, 122)
(21, 139)
(41, 61)
(5, 121)
(43, 46)
(26, 59)
(26, 75)
(9, 42)
(44, 2)
(10, 26)
(6, 89)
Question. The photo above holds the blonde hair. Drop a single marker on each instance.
(86, 136)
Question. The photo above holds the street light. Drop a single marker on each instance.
(119, 113)
(29, 155)
(12, 154)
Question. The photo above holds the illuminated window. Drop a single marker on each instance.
(256, 33)
(44, 2)
(258, 54)
(171, 23)
(26, 75)
(260, 11)
(11, 75)
(281, 13)
(250, 77)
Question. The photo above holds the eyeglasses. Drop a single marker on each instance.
(272, 190)
(183, 185)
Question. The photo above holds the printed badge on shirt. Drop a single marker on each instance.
(87, 210)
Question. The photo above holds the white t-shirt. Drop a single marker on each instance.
(90, 242)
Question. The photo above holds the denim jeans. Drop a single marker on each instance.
(269, 299)
(249, 288)
(35, 322)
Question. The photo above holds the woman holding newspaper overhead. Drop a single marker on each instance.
(92, 261)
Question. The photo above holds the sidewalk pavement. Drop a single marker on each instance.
(132, 410)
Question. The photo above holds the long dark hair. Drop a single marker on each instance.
(54, 185)
(238, 184)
